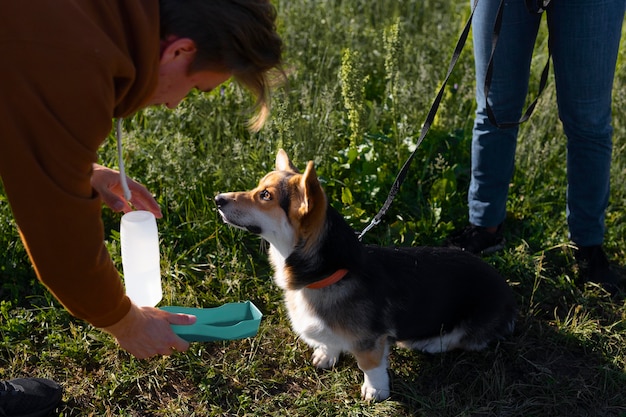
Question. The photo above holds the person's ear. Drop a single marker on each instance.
(174, 48)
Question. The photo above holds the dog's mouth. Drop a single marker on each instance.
(249, 227)
(254, 229)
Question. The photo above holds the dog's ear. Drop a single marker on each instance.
(314, 196)
(283, 163)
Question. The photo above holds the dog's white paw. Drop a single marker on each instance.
(325, 358)
(376, 384)
(369, 393)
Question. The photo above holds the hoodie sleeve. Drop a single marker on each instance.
(51, 125)
(70, 67)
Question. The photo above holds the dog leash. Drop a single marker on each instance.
(430, 117)
(120, 158)
(395, 187)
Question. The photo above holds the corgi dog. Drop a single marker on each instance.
(345, 296)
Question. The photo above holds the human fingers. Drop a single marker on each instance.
(146, 331)
(146, 343)
(142, 199)
(158, 330)
(114, 201)
(106, 182)
(180, 344)
(181, 319)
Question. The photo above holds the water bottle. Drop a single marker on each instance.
(140, 258)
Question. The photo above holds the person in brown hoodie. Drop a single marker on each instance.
(69, 68)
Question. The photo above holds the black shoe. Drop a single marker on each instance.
(29, 397)
(477, 240)
(593, 266)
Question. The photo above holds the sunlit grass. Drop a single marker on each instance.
(568, 354)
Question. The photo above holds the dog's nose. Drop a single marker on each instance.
(220, 201)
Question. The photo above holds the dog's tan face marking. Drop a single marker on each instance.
(285, 208)
(259, 211)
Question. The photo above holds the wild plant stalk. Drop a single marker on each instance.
(392, 47)
(353, 92)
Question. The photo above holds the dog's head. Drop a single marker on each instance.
(286, 208)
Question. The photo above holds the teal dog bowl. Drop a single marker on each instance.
(230, 321)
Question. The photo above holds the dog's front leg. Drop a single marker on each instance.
(325, 357)
(373, 363)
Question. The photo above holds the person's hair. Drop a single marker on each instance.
(237, 36)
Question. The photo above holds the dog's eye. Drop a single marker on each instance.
(265, 195)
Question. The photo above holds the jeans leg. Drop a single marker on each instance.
(493, 149)
(584, 38)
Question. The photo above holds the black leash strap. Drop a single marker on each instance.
(429, 120)
(488, 76)
(435, 106)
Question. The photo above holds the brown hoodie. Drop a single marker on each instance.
(68, 67)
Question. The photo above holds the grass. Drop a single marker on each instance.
(364, 75)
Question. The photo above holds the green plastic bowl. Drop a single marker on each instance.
(230, 321)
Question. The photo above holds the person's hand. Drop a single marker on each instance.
(146, 332)
(107, 183)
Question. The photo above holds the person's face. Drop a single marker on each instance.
(175, 81)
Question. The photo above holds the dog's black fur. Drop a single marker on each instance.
(453, 285)
(428, 298)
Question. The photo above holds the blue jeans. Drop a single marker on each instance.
(584, 40)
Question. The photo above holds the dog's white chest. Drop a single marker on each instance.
(303, 319)
(309, 326)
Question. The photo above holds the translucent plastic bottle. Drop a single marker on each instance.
(140, 258)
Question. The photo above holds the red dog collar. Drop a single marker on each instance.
(330, 280)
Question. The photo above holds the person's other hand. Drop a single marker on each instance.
(146, 332)
(107, 183)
